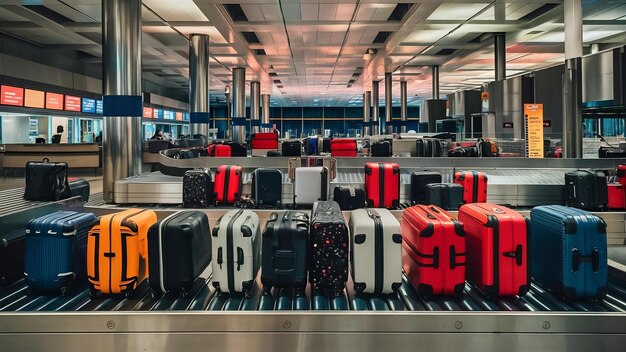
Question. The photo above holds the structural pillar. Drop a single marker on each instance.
(255, 106)
(239, 105)
(376, 112)
(367, 108)
(388, 103)
(121, 87)
(499, 43)
(199, 84)
(403, 106)
(265, 123)
(572, 80)
(435, 81)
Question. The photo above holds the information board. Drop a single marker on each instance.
(34, 98)
(533, 115)
(54, 101)
(147, 113)
(89, 105)
(11, 96)
(72, 103)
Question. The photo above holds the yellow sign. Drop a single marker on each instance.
(533, 115)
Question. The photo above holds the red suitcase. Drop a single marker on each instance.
(211, 150)
(497, 249)
(222, 150)
(382, 185)
(343, 147)
(616, 196)
(267, 140)
(474, 186)
(227, 185)
(621, 175)
(433, 251)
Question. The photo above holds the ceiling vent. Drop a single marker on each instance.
(273, 74)
(399, 12)
(251, 37)
(236, 12)
(277, 81)
(446, 52)
(259, 51)
(538, 12)
(381, 37)
(48, 13)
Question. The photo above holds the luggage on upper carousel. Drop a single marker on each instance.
(227, 185)
(264, 140)
(117, 251)
(568, 247)
(474, 185)
(236, 251)
(419, 180)
(433, 251)
(238, 149)
(586, 189)
(312, 145)
(46, 181)
(376, 255)
(180, 250)
(382, 185)
(381, 149)
(487, 149)
(285, 252)
(497, 249)
(80, 188)
(220, 150)
(311, 184)
(349, 197)
(155, 146)
(343, 147)
(197, 188)
(424, 147)
(267, 187)
(329, 247)
(325, 145)
(55, 251)
(448, 196)
(291, 148)
(621, 175)
(616, 196)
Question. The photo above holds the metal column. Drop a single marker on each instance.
(121, 86)
(388, 102)
(435, 81)
(255, 106)
(499, 44)
(403, 108)
(376, 112)
(199, 84)
(367, 109)
(572, 80)
(266, 112)
(239, 104)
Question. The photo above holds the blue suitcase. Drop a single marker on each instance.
(311, 146)
(568, 253)
(55, 251)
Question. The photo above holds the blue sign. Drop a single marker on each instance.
(169, 115)
(99, 107)
(186, 116)
(89, 105)
(157, 113)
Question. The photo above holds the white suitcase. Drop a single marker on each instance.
(310, 185)
(236, 251)
(376, 253)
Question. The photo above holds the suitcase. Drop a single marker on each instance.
(419, 180)
(433, 251)
(616, 196)
(376, 255)
(197, 188)
(311, 184)
(80, 188)
(267, 188)
(227, 185)
(448, 196)
(117, 251)
(311, 146)
(55, 250)
(180, 250)
(382, 185)
(487, 149)
(155, 146)
(381, 149)
(343, 147)
(12, 257)
(497, 249)
(474, 185)
(568, 247)
(329, 248)
(291, 148)
(221, 150)
(238, 149)
(211, 150)
(424, 148)
(325, 148)
(265, 140)
(586, 189)
(285, 252)
(46, 181)
(274, 153)
(349, 197)
(437, 148)
(236, 251)
(621, 175)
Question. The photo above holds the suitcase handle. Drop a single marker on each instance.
(517, 255)
(239, 258)
(594, 258)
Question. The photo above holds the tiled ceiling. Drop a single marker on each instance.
(327, 52)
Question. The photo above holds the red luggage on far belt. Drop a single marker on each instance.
(227, 184)
(382, 185)
(474, 186)
(265, 140)
(433, 251)
(621, 175)
(617, 198)
(222, 150)
(497, 249)
(343, 147)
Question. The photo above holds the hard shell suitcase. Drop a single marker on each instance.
(474, 185)
(155, 146)
(211, 149)
(487, 149)
(274, 153)
(448, 196)
(424, 148)
(291, 148)
(180, 250)
(329, 247)
(433, 251)
(437, 148)
(221, 150)
(117, 251)
(238, 149)
(81, 188)
(381, 149)
(325, 147)
(311, 184)
(267, 187)
(497, 249)
(617, 197)
(55, 251)
(197, 188)
(46, 181)
(382, 185)
(586, 189)
(569, 251)
(285, 253)
(311, 146)
(621, 175)
(349, 197)
(419, 180)
(264, 140)
(343, 147)
(227, 185)
(376, 251)
(236, 251)
(11, 257)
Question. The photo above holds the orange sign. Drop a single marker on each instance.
(11, 96)
(72, 103)
(147, 113)
(34, 98)
(179, 116)
(54, 101)
(533, 114)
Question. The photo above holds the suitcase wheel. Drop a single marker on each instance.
(64, 291)
(129, 294)
(523, 290)
(426, 291)
(458, 290)
(93, 294)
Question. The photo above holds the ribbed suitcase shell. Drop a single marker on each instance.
(222, 150)
(559, 235)
(474, 184)
(586, 189)
(382, 185)
(329, 247)
(343, 147)
(266, 140)
(381, 149)
(267, 187)
(227, 185)
(197, 188)
(419, 180)
(616, 196)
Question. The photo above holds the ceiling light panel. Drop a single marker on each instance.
(456, 11)
(179, 10)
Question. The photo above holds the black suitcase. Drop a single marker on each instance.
(586, 189)
(325, 145)
(238, 149)
(155, 146)
(448, 196)
(267, 188)
(46, 181)
(291, 148)
(12, 247)
(381, 149)
(179, 248)
(285, 250)
(349, 197)
(419, 180)
(274, 153)
(80, 188)
(437, 148)
(197, 188)
(329, 248)
(424, 148)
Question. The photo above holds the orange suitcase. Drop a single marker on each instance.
(117, 251)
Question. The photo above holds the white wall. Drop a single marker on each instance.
(15, 129)
(56, 121)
